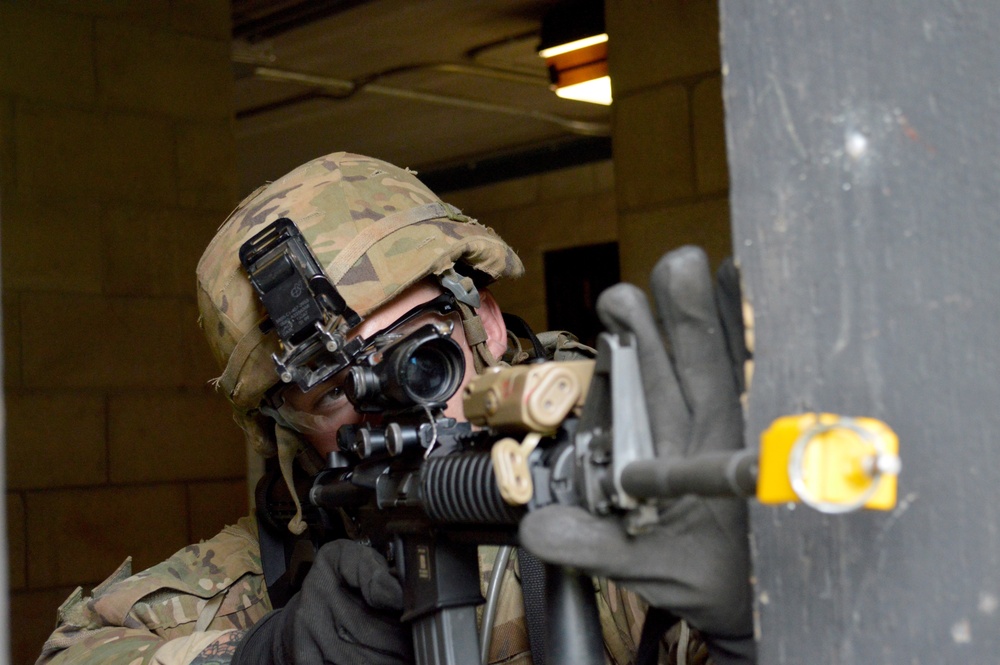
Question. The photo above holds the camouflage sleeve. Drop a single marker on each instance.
(129, 646)
(509, 644)
(189, 610)
(622, 616)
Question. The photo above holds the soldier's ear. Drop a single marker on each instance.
(496, 331)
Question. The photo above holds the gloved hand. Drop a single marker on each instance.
(695, 561)
(346, 612)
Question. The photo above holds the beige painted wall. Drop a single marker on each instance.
(117, 163)
(671, 178)
(113, 177)
(535, 214)
(667, 184)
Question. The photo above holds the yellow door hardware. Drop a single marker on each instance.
(833, 463)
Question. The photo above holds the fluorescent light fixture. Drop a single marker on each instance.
(574, 44)
(559, 49)
(595, 91)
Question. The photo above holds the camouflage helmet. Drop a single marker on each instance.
(374, 228)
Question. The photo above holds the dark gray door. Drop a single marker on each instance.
(864, 151)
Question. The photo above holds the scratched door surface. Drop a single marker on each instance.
(864, 149)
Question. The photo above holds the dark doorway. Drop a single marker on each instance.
(574, 278)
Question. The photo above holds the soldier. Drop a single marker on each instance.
(387, 244)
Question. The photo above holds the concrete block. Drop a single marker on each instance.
(654, 164)
(32, 619)
(547, 207)
(646, 236)
(167, 435)
(154, 251)
(81, 535)
(16, 541)
(557, 224)
(140, 253)
(520, 295)
(64, 153)
(604, 175)
(710, 136)
(90, 341)
(46, 55)
(205, 18)
(540, 225)
(650, 43)
(54, 246)
(504, 223)
(206, 166)
(147, 12)
(11, 339)
(214, 505)
(597, 221)
(479, 201)
(6, 147)
(566, 183)
(55, 439)
(146, 70)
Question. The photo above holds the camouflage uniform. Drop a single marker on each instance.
(376, 230)
(170, 613)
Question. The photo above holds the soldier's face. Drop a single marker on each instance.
(325, 409)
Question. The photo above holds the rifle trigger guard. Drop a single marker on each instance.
(510, 466)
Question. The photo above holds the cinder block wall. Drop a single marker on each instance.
(535, 214)
(669, 151)
(667, 184)
(117, 164)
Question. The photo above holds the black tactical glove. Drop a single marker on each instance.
(346, 612)
(695, 561)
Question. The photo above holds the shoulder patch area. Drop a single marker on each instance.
(179, 589)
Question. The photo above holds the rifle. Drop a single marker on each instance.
(427, 490)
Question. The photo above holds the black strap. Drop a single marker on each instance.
(286, 558)
(272, 560)
(533, 591)
(656, 624)
(520, 327)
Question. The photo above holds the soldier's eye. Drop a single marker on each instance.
(331, 396)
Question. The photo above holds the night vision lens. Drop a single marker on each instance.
(423, 369)
(430, 374)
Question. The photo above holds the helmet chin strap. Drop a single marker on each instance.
(475, 335)
(467, 295)
(289, 445)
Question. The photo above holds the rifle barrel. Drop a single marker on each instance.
(729, 473)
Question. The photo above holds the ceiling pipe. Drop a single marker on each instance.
(342, 88)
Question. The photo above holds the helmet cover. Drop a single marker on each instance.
(375, 230)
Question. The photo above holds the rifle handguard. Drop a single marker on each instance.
(461, 489)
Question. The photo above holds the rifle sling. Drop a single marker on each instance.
(656, 624)
(272, 560)
(533, 591)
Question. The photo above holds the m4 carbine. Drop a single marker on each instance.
(427, 490)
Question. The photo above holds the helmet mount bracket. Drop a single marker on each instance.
(304, 308)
